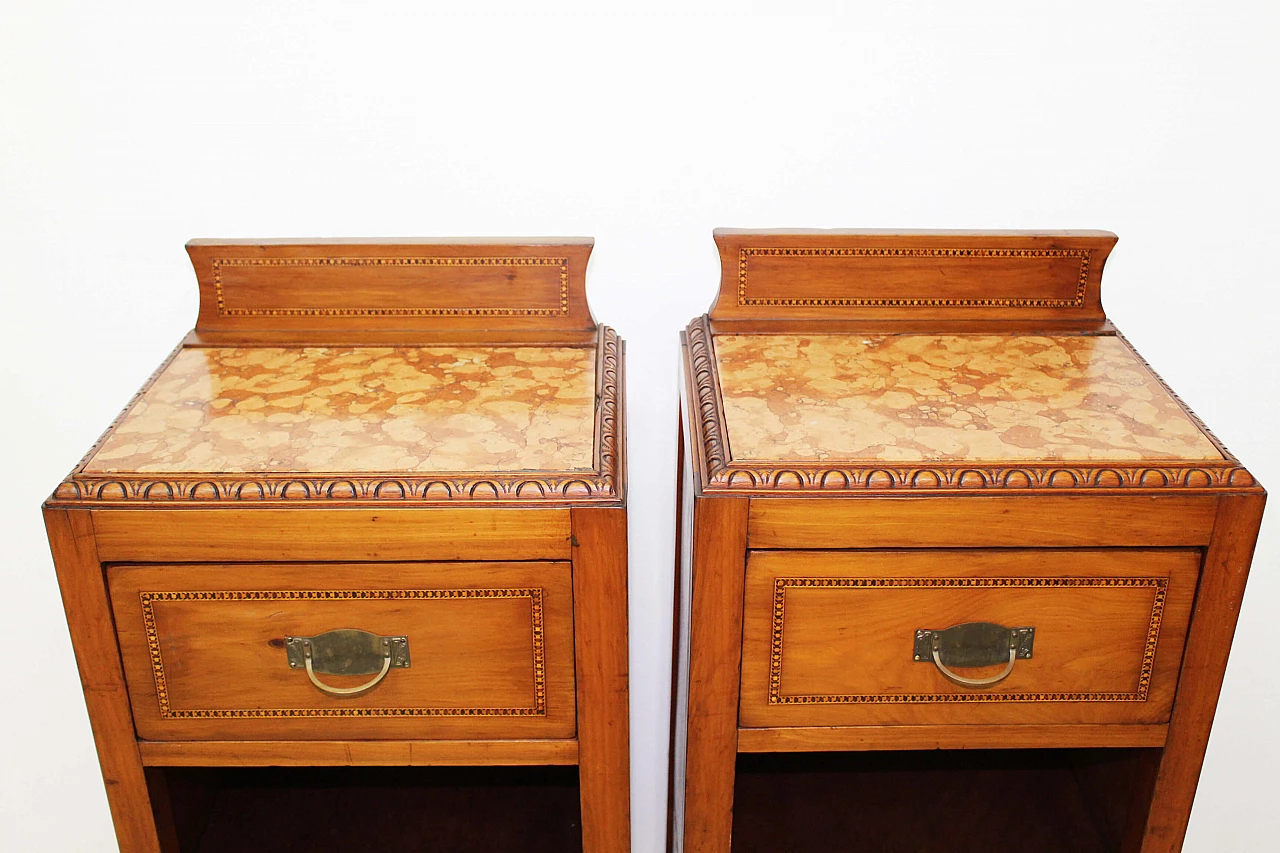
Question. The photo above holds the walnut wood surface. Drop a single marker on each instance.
(392, 534)
(715, 650)
(1048, 521)
(93, 637)
(600, 631)
(403, 285)
(1213, 624)
(290, 540)
(357, 753)
(827, 636)
(1135, 795)
(491, 649)
(929, 737)
(922, 275)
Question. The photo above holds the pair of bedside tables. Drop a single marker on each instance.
(955, 569)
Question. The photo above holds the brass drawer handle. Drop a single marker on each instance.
(974, 644)
(347, 651)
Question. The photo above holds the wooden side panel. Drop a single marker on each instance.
(1048, 521)
(357, 753)
(827, 636)
(1213, 625)
(205, 535)
(93, 636)
(491, 648)
(912, 276)
(600, 632)
(715, 655)
(404, 285)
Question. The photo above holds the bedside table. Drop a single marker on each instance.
(956, 570)
(368, 518)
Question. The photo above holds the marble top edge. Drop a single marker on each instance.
(729, 465)
(499, 423)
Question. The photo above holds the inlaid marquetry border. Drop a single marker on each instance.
(1083, 255)
(603, 483)
(168, 712)
(224, 311)
(724, 475)
(781, 585)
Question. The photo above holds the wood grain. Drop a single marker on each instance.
(856, 275)
(926, 737)
(357, 753)
(421, 286)
(445, 533)
(827, 637)
(715, 654)
(491, 648)
(1213, 624)
(1051, 521)
(677, 720)
(93, 637)
(600, 634)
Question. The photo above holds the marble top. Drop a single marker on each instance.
(948, 398)
(360, 410)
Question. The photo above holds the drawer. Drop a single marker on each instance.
(489, 650)
(830, 638)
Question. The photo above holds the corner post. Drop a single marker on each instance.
(1213, 624)
(93, 636)
(600, 639)
(715, 662)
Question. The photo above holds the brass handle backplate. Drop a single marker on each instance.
(973, 644)
(347, 651)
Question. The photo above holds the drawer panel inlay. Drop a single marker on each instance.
(829, 637)
(355, 287)
(538, 707)
(911, 277)
(206, 657)
(1158, 586)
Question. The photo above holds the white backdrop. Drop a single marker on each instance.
(124, 131)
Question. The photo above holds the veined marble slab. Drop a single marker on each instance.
(951, 398)
(361, 409)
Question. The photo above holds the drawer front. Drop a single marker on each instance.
(830, 638)
(490, 650)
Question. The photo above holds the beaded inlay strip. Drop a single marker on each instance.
(781, 585)
(1011, 302)
(224, 311)
(168, 712)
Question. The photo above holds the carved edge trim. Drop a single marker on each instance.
(792, 478)
(706, 384)
(721, 475)
(1082, 283)
(602, 485)
(1160, 585)
(610, 414)
(168, 712)
(224, 311)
